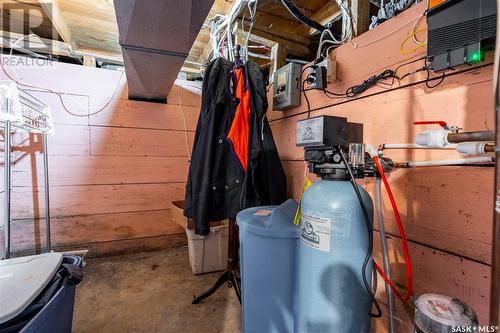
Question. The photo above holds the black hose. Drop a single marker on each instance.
(370, 236)
(290, 6)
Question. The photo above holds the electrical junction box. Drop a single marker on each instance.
(328, 131)
(459, 32)
(331, 69)
(286, 94)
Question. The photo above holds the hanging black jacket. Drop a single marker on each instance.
(265, 180)
(217, 187)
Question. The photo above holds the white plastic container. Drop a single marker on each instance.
(23, 279)
(208, 253)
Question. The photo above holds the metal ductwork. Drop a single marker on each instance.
(155, 37)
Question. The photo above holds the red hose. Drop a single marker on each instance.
(409, 275)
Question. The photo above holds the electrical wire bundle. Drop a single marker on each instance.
(221, 28)
(347, 31)
(347, 25)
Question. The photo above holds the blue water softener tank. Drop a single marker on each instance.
(332, 296)
(333, 245)
(268, 247)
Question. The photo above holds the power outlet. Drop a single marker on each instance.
(324, 73)
(317, 78)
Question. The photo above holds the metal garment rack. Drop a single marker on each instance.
(33, 117)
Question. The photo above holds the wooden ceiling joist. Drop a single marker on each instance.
(54, 13)
(261, 37)
(36, 44)
(78, 28)
(283, 34)
(326, 14)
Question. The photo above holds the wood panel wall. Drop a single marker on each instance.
(113, 172)
(447, 211)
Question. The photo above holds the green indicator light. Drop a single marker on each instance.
(476, 57)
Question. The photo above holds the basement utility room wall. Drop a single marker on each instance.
(113, 172)
(447, 211)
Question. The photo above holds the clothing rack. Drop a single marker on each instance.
(23, 112)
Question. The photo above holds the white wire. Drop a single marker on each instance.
(347, 29)
(60, 94)
(252, 11)
(221, 27)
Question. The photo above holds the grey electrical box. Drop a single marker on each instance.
(286, 94)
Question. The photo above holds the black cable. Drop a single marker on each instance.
(405, 64)
(323, 107)
(337, 95)
(429, 79)
(367, 84)
(307, 100)
(370, 236)
(374, 80)
(290, 6)
(427, 67)
(302, 89)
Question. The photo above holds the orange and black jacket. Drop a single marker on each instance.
(224, 177)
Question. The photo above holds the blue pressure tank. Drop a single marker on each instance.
(333, 245)
(268, 254)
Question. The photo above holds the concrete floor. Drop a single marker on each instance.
(151, 292)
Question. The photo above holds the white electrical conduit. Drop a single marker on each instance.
(459, 161)
(464, 148)
(412, 146)
(383, 242)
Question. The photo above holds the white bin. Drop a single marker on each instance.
(208, 253)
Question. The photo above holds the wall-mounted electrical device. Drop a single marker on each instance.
(460, 32)
(286, 93)
(317, 78)
(324, 131)
(323, 138)
(320, 74)
(331, 69)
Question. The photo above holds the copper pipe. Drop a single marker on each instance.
(471, 136)
(489, 148)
